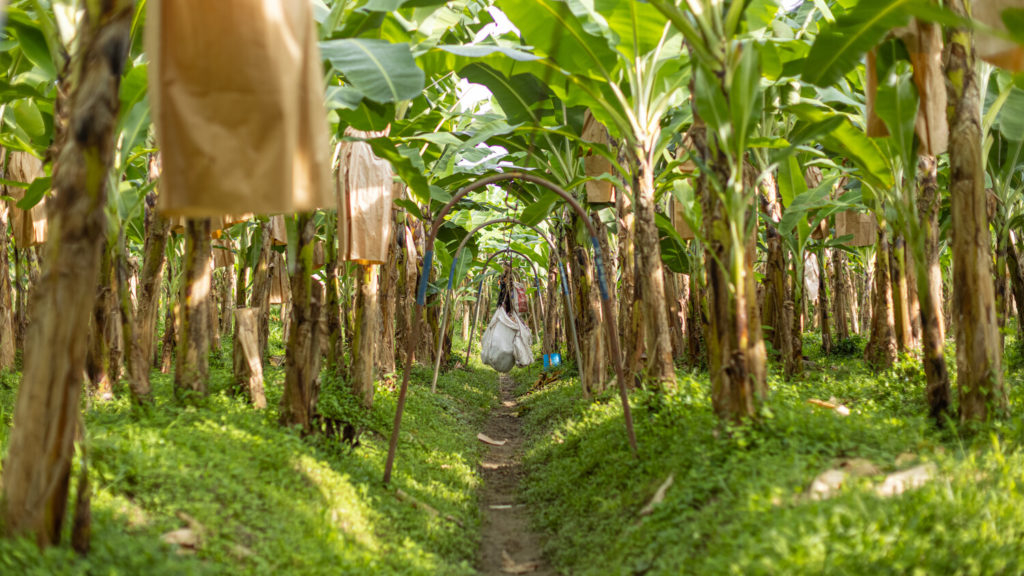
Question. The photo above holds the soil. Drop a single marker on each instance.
(508, 546)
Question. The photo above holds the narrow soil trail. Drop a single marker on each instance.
(507, 546)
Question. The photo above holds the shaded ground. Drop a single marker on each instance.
(508, 546)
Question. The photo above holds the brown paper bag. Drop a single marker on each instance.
(863, 226)
(223, 256)
(996, 51)
(684, 149)
(598, 191)
(237, 99)
(365, 198)
(680, 222)
(29, 226)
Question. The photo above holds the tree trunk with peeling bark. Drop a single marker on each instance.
(840, 302)
(826, 330)
(734, 343)
(36, 472)
(262, 279)
(364, 344)
(388, 279)
(793, 344)
(302, 352)
(929, 289)
(775, 290)
(332, 305)
(631, 341)
(880, 352)
(979, 357)
(1016, 282)
(135, 361)
(550, 342)
(696, 321)
(7, 331)
(192, 362)
(660, 370)
(405, 291)
(675, 313)
(143, 329)
(98, 358)
(587, 316)
(900, 296)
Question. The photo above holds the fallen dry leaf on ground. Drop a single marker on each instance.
(658, 496)
(488, 440)
(510, 566)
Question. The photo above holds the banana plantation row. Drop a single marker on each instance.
(753, 172)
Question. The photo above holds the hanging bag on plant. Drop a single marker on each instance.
(997, 51)
(521, 342)
(521, 302)
(237, 97)
(498, 345)
(595, 165)
(365, 195)
(29, 226)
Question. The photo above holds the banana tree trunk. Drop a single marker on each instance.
(881, 349)
(630, 315)
(143, 331)
(335, 356)
(168, 343)
(1000, 279)
(406, 289)
(675, 313)
(979, 356)
(364, 343)
(261, 287)
(98, 357)
(192, 362)
(7, 331)
(135, 361)
(550, 342)
(36, 472)
(734, 343)
(775, 290)
(660, 370)
(696, 321)
(826, 330)
(1016, 282)
(840, 302)
(929, 289)
(302, 352)
(242, 275)
(388, 278)
(900, 296)
(587, 316)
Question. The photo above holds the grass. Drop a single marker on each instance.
(739, 501)
(266, 500)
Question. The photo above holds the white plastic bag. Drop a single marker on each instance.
(523, 351)
(498, 347)
(506, 342)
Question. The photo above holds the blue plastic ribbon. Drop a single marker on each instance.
(599, 265)
(451, 275)
(565, 285)
(421, 294)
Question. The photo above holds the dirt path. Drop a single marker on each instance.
(508, 546)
